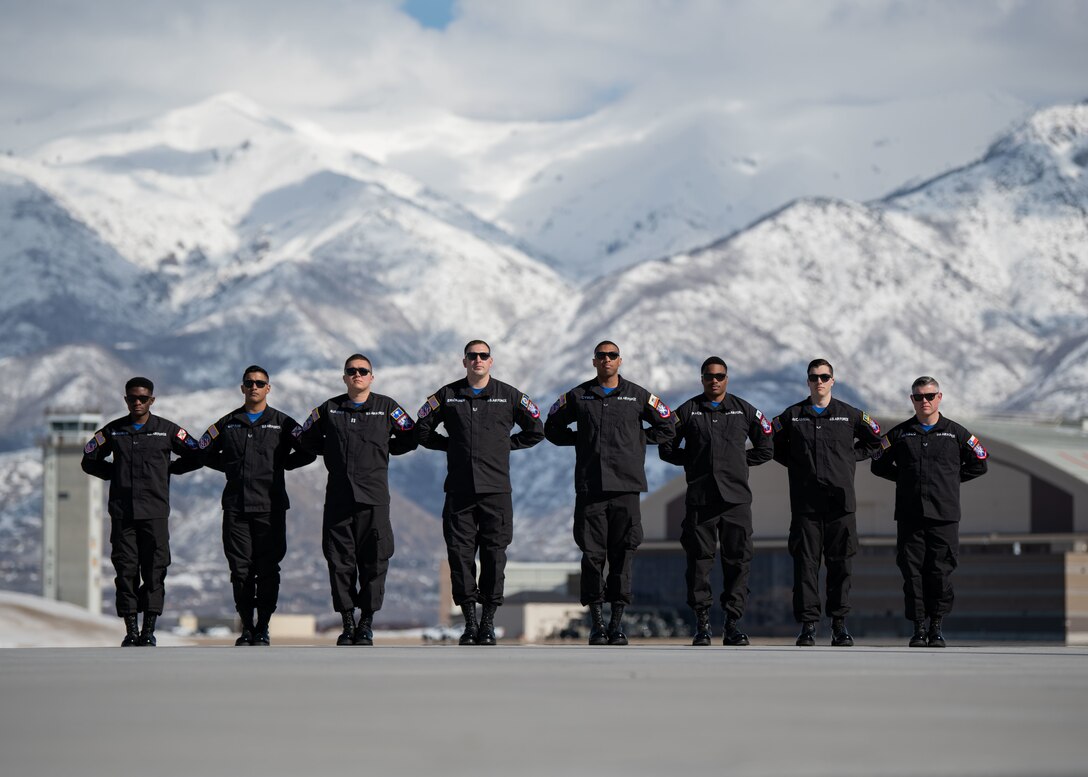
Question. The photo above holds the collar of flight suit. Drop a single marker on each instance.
(596, 389)
(705, 403)
(940, 425)
(462, 388)
(240, 415)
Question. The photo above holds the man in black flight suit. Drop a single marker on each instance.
(927, 457)
(820, 440)
(711, 431)
(252, 446)
(609, 474)
(139, 503)
(355, 433)
(478, 413)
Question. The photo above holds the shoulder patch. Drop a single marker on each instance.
(561, 402)
(975, 444)
(94, 442)
(401, 419)
(311, 418)
(870, 423)
(186, 438)
(764, 424)
(527, 403)
(659, 405)
(213, 431)
(431, 404)
(777, 424)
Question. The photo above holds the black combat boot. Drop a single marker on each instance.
(615, 626)
(260, 636)
(598, 633)
(918, 639)
(702, 627)
(364, 633)
(935, 637)
(840, 637)
(472, 629)
(147, 635)
(132, 632)
(733, 635)
(807, 637)
(246, 637)
(486, 635)
(347, 636)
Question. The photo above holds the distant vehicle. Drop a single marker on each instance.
(441, 634)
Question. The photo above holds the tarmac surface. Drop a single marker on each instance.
(544, 710)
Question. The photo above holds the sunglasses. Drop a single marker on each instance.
(710, 376)
(251, 383)
(822, 377)
(134, 399)
(349, 371)
(474, 355)
(611, 355)
(929, 396)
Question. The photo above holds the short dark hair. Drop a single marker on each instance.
(358, 357)
(471, 343)
(925, 380)
(140, 383)
(821, 363)
(254, 368)
(597, 347)
(714, 360)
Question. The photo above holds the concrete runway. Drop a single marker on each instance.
(544, 710)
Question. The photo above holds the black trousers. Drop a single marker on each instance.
(255, 544)
(140, 552)
(357, 541)
(926, 553)
(723, 527)
(607, 529)
(835, 537)
(471, 523)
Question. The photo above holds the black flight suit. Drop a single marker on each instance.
(821, 451)
(253, 455)
(927, 468)
(710, 444)
(609, 473)
(478, 513)
(357, 537)
(139, 503)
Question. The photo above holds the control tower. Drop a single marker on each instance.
(71, 513)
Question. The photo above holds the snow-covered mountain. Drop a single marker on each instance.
(218, 236)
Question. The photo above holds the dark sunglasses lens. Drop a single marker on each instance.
(357, 371)
(713, 376)
(475, 355)
(602, 355)
(252, 383)
(822, 377)
(132, 399)
(927, 397)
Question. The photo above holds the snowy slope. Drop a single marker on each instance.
(979, 277)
